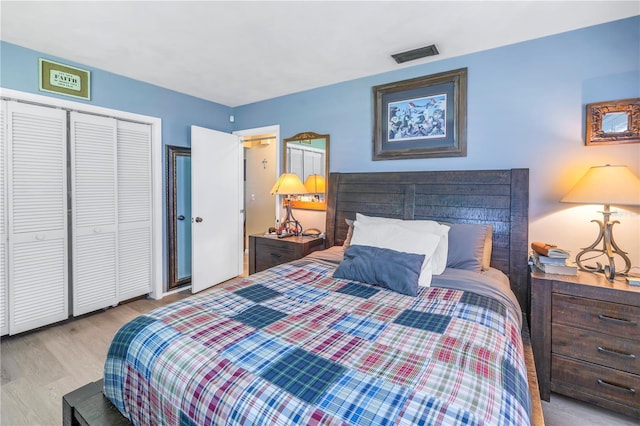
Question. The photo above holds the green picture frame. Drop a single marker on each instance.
(64, 79)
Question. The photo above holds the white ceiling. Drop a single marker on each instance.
(240, 52)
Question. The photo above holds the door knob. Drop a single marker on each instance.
(198, 219)
(181, 217)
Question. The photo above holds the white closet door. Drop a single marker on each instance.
(317, 163)
(134, 209)
(94, 214)
(4, 290)
(295, 159)
(37, 222)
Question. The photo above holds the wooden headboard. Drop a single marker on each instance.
(496, 197)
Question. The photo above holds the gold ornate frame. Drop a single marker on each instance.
(304, 136)
(597, 134)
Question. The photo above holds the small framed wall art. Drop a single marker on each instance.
(64, 79)
(423, 117)
(613, 122)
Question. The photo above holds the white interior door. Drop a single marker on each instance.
(216, 207)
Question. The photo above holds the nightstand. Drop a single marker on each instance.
(266, 251)
(585, 334)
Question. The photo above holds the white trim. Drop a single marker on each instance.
(178, 290)
(157, 290)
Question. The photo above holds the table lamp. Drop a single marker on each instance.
(289, 184)
(605, 185)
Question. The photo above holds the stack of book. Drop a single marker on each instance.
(551, 259)
(633, 278)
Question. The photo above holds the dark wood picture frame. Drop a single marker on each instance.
(613, 122)
(424, 117)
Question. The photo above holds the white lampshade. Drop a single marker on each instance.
(606, 185)
(314, 184)
(288, 184)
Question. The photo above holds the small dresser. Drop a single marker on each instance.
(585, 333)
(266, 251)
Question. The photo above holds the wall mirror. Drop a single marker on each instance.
(178, 216)
(307, 155)
(613, 122)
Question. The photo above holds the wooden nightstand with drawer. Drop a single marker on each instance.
(585, 333)
(266, 251)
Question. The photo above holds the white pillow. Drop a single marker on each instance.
(396, 237)
(419, 229)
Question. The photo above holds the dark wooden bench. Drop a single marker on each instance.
(88, 406)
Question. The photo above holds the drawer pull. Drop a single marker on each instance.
(276, 255)
(614, 386)
(614, 352)
(604, 317)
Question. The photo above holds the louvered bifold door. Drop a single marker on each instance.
(134, 209)
(37, 215)
(4, 289)
(94, 215)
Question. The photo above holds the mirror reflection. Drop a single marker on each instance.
(307, 155)
(615, 122)
(179, 215)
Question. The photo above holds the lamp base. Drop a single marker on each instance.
(609, 249)
(290, 224)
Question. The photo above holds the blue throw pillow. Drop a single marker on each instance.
(386, 268)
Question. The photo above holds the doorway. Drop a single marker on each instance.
(261, 169)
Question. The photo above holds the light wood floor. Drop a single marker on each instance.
(39, 367)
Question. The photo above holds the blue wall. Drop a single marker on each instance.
(526, 106)
(19, 71)
(520, 98)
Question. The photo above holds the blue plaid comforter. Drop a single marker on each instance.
(294, 346)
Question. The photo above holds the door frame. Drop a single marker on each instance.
(157, 167)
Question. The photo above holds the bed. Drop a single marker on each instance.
(296, 345)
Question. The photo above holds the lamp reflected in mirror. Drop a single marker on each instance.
(315, 187)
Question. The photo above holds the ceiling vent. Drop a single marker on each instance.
(412, 55)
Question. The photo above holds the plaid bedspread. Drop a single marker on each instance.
(294, 346)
